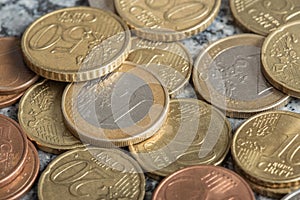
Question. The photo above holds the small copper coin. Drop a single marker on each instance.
(23, 182)
(13, 150)
(9, 99)
(15, 76)
(203, 182)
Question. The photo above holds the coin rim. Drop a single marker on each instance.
(11, 101)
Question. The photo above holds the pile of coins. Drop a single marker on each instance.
(108, 103)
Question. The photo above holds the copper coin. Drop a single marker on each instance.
(23, 182)
(15, 76)
(203, 182)
(9, 99)
(13, 150)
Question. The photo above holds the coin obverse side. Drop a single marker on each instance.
(228, 75)
(167, 20)
(127, 107)
(41, 118)
(281, 58)
(76, 44)
(14, 148)
(264, 16)
(9, 99)
(171, 63)
(23, 182)
(92, 173)
(292, 196)
(15, 75)
(203, 182)
(195, 133)
(266, 149)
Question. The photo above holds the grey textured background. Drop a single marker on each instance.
(16, 15)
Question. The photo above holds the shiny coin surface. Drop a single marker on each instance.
(127, 107)
(203, 183)
(281, 58)
(92, 173)
(107, 5)
(264, 16)
(195, 133)
(266, 149)
(9, 99)
(169, 62)
(23, 182)
(292, 196)
(168, 20)
(76, 44)
(228, 75)
(14, 148)
(15, 76)
(41, 118)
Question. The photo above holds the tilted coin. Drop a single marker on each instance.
(9, 99)
(127, 107)
(228, 75)
(202, 183)
(292, 196)
(41, 117)
(92, 173)
(167, 20)
(266, 149)
(195, 133)
(107, 5)
(264, 16)
(76, 44)
(281, 58)
(23, 182)
(169, 62)
(15, 75)
(14, 148)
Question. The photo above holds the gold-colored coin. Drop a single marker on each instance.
(281, 58)
(92, 174)
(264, 16)
(266, 148)
(194, 133)
(228, 75)
(168, 20)
(41, 118)
(169, 62)
(127, 107)
(76, 44)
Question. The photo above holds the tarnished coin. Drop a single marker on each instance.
(107, 5)
(266, 149)
(23, 182)
(203, 183)
(167, 20)
(169, 62)
(15, 76)
(76, 44)
(41, 118)
(195, 133)
(292, 196)
(264, 16)
(228, 75)
(281, 58)
(13, 150)
(9, 99)
(92, 174)
(127, 107)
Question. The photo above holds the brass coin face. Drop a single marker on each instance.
(281, 58)
(264, 16)
(169, 62)
(195, 133)
(9, 99)
(93, 173)
(41, 118)
(168, 20)
(203, 183)
(127, 107)
(15, 76)
(228, 75)
(76, 44)
(266, 148)
(23, 182)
